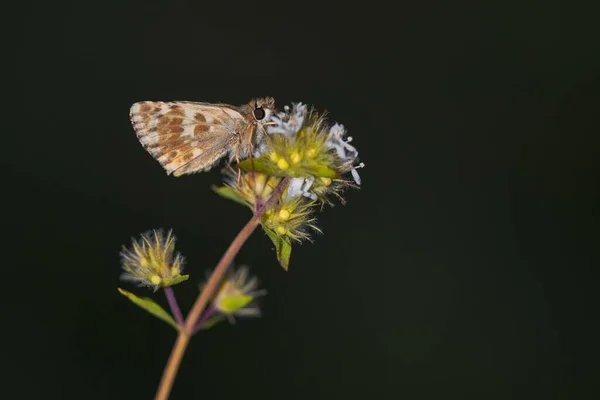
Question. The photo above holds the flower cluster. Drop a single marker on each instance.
(301, 140)
(236, 297)
(300, 164)
(251, 189)
(152, 261)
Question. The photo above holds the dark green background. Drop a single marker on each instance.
(462, 269)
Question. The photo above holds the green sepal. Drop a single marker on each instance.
(175, 281)
(229, 193)
(261, 165)
(297, 171)
(283, 247)
(152, 307)
(230, 304)
(321, 171)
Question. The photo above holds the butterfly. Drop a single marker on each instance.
(187, 137)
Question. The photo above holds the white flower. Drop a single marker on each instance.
(300, 187)
(287, 122)
(343, 148)
(336, 141)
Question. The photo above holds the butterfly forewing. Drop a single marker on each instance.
(186, 137)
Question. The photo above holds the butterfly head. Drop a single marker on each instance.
(262, 109)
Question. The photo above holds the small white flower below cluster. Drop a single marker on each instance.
(300, 187)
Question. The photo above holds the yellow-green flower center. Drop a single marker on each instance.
(295, 157)
(284, 214)
(325, 181)
(282, 164)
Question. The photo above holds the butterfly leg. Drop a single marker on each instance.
(239, 171)
(250, 149)
(257, 197)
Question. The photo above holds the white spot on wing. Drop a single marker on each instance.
(188, 129)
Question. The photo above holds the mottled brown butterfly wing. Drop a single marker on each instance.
(187, 137)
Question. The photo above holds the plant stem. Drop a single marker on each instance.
(173, 305)
(274, 196)
(209, 312)
(168, 377)
(172, 366)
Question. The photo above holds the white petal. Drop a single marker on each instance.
(356, 176)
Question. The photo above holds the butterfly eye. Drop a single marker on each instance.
(259, 113)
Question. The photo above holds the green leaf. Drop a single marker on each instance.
(261, 165)
(150, 306)
(175, 281)
(283, 247)
(272, 235)
(284, 252)
(229, 193)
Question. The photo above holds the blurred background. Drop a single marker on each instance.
(466, 266)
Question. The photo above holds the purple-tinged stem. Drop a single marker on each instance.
(210, 311)
(166, 382)
(173, 305)
(274, 196)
